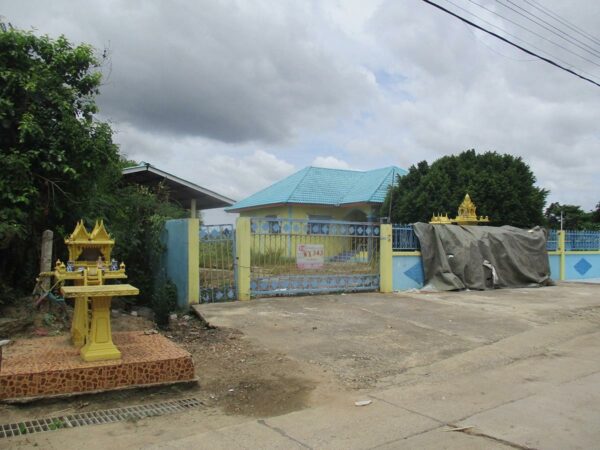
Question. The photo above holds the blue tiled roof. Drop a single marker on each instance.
(320, 186)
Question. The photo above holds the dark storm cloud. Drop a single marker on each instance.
(235, 95)
(213, 69)
(221, 72)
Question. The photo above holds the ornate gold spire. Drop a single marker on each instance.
(467, 215)
(83, 245)
(99, 233)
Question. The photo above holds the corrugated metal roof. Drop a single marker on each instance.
(320, 186)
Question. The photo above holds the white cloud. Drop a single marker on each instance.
(330, 162)
(235, 97)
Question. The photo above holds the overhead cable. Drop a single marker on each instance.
(529, 52)
(569, 38)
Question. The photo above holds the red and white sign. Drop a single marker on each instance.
(310, 256)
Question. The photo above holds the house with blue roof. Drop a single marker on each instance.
(316, 193)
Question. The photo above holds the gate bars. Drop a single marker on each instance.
(216, 263)
(298, 256)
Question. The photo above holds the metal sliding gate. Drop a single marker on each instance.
(293, 256)
(217, 269)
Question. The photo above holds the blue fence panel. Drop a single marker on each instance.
(582, 240)
(282, 226)
(404, 238)
(552, 241)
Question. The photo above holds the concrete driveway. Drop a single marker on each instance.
(507, 368)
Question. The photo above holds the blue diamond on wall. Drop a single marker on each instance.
(582, 266)
(415, 273)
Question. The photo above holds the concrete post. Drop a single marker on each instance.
(243, 238)
(46, 257)
(385, 258)
(193, 210)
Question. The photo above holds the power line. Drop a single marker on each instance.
(529, 52)
(515, 36)
(534, 33)
(565, 22)
(492, 49)
(570, 38)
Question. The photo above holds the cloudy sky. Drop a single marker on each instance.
(234, 95)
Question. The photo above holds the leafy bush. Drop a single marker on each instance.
(164, 301)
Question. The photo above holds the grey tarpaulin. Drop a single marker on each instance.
(479, 257)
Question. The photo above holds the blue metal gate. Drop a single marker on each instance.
(217, 268)
(294, 256)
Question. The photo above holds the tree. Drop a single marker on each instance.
(596, 214)
(54, 153)
(59, 163)
(501, 186)
(574, 217)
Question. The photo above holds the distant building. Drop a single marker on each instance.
(187, 194)
(322, 194)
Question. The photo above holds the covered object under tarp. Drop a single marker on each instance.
(479, 257)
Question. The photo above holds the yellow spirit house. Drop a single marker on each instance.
(320, 194)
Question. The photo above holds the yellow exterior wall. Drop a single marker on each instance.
(333, 246)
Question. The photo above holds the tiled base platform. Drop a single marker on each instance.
(51, 366)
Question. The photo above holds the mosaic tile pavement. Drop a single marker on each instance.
(51, 366)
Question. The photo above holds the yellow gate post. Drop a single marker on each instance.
(385, 258)
(193, 254)
(561, 249)
(243, 238)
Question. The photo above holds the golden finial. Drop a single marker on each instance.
(467, 214)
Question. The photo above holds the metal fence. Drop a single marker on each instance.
(217, 268)
(404, 238)
(295, 256)
(552, 241)
(582, 240)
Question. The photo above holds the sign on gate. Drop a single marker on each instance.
(302, 256)
(310, 256)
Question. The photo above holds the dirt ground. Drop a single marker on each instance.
(236, 376)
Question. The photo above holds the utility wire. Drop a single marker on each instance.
(569, 38)
(515, 36)
(492, 49)
(529, 52)
(534, 33)
(565, 22)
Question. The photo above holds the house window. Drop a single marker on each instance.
(274, 224)
(315, 226)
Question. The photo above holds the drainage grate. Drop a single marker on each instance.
(96, 417)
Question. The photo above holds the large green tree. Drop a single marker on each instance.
(58, 162)
(501, 186)
(54, 154)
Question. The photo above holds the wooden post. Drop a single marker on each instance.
(46, 257)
